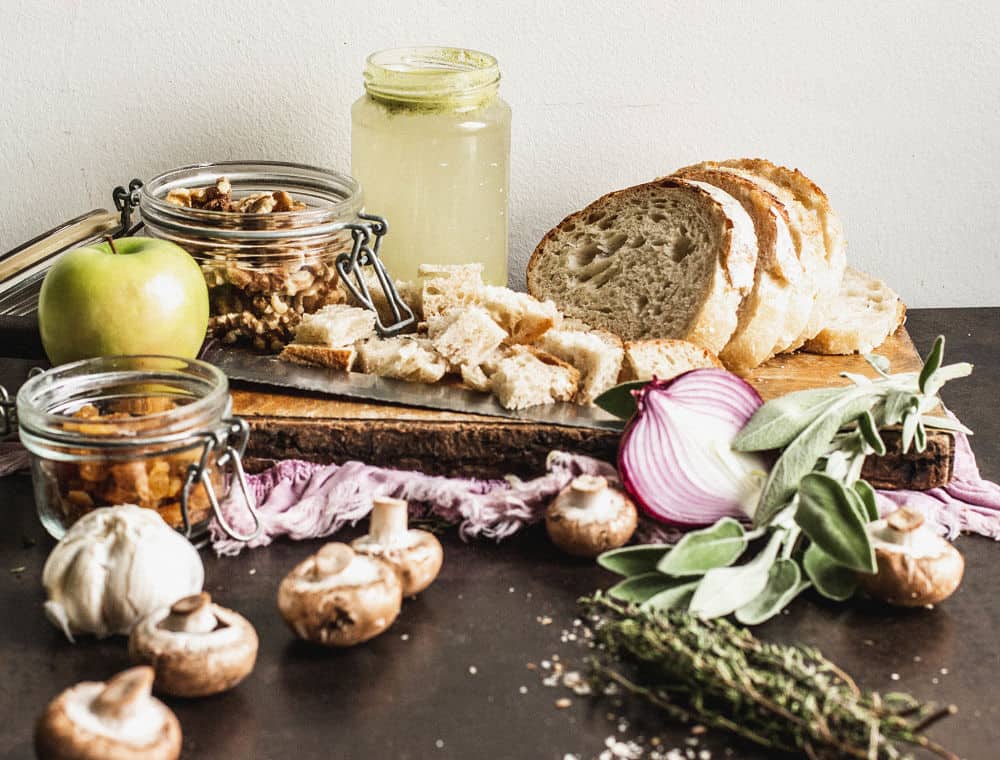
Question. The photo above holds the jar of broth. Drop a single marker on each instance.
(430, 144)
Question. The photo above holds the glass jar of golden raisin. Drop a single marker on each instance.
(155, 431)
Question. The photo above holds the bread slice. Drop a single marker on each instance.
(666, 259)
(807, 241)
(465, 335)
(813, 199)
(664, 359)
(529, 377)
(525, 318)
(598, 360)
(448, 286)
(404, 357)
(867, 312)
(336, 325)
(764, 312)
(339, 357)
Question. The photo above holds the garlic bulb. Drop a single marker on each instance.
(114, 566)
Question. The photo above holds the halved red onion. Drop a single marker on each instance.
(676, 458)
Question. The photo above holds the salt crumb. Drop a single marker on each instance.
(523, 690)
(868, 643)
(944, 671)
(568, 756)
(894, 676)
(531, 666)
(935, 680)
(916, 658)
(563, 702)
(439, 743)
(472, 670)
(544, 620)
(698, 729)
(253, 571)
(704, 755)
(546, 664)
(511, 590)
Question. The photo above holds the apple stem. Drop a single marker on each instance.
(111, 242)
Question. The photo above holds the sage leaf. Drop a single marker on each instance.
(701, 550)
(725, 589)
(677, 597)
(943, 375)
(620, 400)
(639, 588)
(879, 363)
(868, 430)
(920, 435)
(863, 489)
(834, 522)
(857, 379)
(799, 458)
(898, 403)
(857, 503)
(779, 421)
(633, 560)
(784, 583)
(944, 423)
(831, 579)
(933, 363)
(909, 430)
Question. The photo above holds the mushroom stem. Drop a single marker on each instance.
(123, 693)
(902, 526)
(192, 614)
(389, 521)
(588, 490)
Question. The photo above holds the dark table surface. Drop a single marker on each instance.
(450, 678)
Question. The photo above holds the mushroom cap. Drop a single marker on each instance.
(339, 598)
(417, 559)
(190, 664)
(68, 730)
(588, 518)
(926, 571)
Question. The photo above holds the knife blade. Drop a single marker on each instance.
(245, 366)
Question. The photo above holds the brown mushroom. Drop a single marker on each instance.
(915, 565)
(340, 598)
(416, 554)
(589, 517)
(117, 720)
(196, 648)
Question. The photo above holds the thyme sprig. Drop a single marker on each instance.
(784, 697)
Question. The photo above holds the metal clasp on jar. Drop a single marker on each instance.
(364, 252)
(228, 446)
(8, 414)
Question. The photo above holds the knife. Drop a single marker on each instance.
(245, 366)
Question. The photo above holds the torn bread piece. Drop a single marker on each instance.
(867, 312)
(465, 336)
(664, 358)
(474, 377)
(334, 357)
(404, 358)
(448, 286)
(529, 377)
(336, 325)
(523, 316)
(598, 358)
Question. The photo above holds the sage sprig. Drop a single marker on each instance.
(810, 523)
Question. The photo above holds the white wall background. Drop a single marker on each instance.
(892, 107)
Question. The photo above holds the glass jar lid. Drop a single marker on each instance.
(432, 76)
(333, 200)
(141, 401)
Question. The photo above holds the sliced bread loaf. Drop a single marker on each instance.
(765, 311)
(868, 311)
(814, 200)
(664, 259)
(664, 358)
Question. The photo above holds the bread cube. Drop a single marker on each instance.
(336, 325)
(529, 377)
(405, 358)
(465, 336)
(598, 357)
(524, 317)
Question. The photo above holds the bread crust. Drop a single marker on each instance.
(341, 358)
(868, 311)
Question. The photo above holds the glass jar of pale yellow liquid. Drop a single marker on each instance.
(430, 145)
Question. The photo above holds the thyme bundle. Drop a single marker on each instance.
(787, 698)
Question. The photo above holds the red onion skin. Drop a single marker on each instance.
(752, 397)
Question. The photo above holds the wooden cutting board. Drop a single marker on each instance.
(325, 429)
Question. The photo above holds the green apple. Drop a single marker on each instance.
(130, 296)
